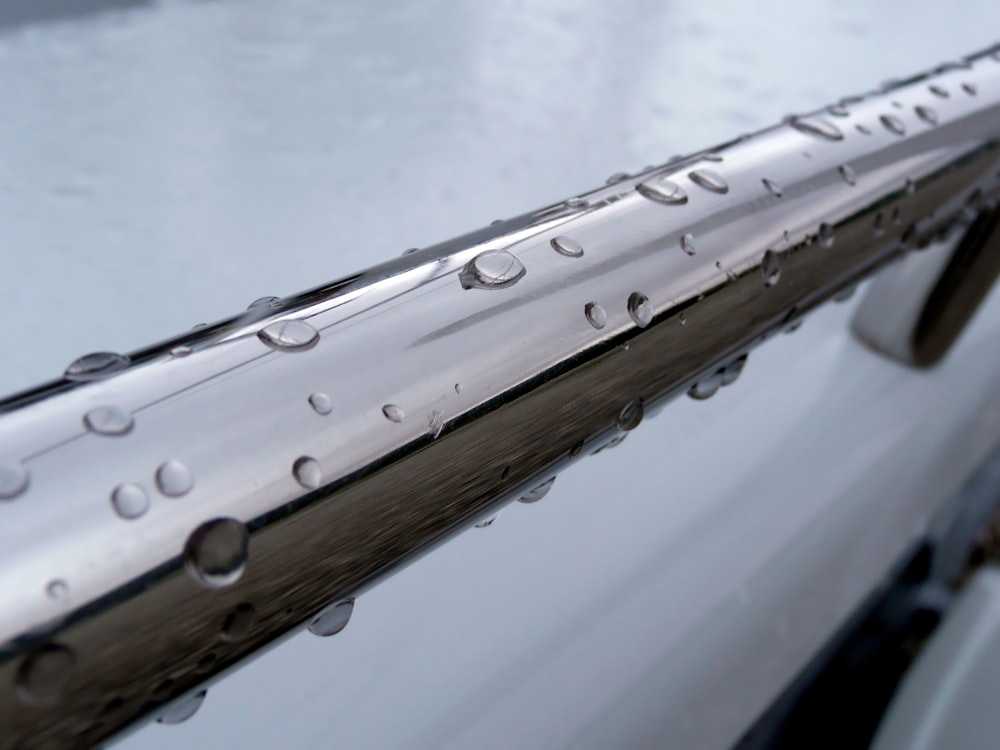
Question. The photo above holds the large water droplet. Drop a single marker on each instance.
(129, 500)
(44, 674)
(706, 387)
(492, 269)
(687, 243)
(770, 268)
(818, 127)
(321, 403)
(926, 114)
(216, 552)
(893, 124)
(568, 247)
(289, 335)
(596, 315)
(239, 623)
(537, 493)
(333, 619)
(939, 91)
(180, 351)
(773, 187)
(96, 365)
(631, 415)
(307, 472)
(184, 709)
(14, 479)
(393, 413)
(662, 190)
(265, 302)
(826, 235)
(848, 174)
(710, 180)
(616, 177)
(174, 478)
(108, 420)
(970, 89)
(732, 371)
(640, 308)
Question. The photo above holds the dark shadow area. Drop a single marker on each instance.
(17, 13)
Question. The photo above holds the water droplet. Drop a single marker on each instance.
(730, 276)
(970, 89)
(640, 309)
(307, 472)
(108, 420)
(712, 157)
(492, 269)
(706, 387)
(631, 415)
(682, 319)
(596, 315)
(393, 413)
(877, 225)
(321, 403)
(732, 371)
(196, 326)
(863, 129)
(333, 619)
(616, 177)
(893, 124)
(825, 235)
(44, 674)
(289, 335)
(458, 387)
(485, 523)
(174, 478)
(57, 590)
(184, 709)
(848, 173)
(412, 250)
(537, 493)
(575, 203)
(709, 180)
(14, 479)
(897, 105)
(215, 554)
(129, 500)
(926, 114)
(845, 294)
(505, 474)
(770, 268)
(180, 351)
(939, 91)
(910, 186)
(662, 190)
(687, 243)
(568, 247)
(264, 302)
(435, 424)
(838, 110)
(96, 365)
(773, 187)
(818, 127)
(239, 622)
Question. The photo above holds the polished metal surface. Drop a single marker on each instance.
(174, 510)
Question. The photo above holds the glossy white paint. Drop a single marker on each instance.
(663, 592)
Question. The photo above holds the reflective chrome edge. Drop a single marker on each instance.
(170, 512)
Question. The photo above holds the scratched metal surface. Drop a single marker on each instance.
(164, 163)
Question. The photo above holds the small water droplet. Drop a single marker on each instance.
(640, 309)
(393, 413)
(108, 420)
(877, 225)
(631, 415)
(818, 127)
(710, 180)
(129, 500)
(14, 479)
(575, 203)
(712, 157)
(264, 302)
(926, 114)
(897, 105)
(825, 235)
(568, 247)
(863, 129)
(732, 371)
(616, 177)
(662, 190)
(773, 187)
(96, 365)
(458, 387)
(910, 186)
(596, 315)
(939, 91)
(730, 276)
(687, 243)
(289, 335)
(57, 590)
(44, 673)
(174, 478)
(435, 424)
(239, 623)
(307, 472)
(215, 554)
(970, 89)
(893, 124)
(706, 387)
(196, 326)
(770, 268)
(180, 351)
(838, 110)
(492, 269)
(682, 319)
(485, 523)
(333, 619)
(847, 172)
(537, 493)
(321, 403)
(412, 250)
(184, 709)
(505, 474)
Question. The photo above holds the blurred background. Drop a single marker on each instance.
(165, 162)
